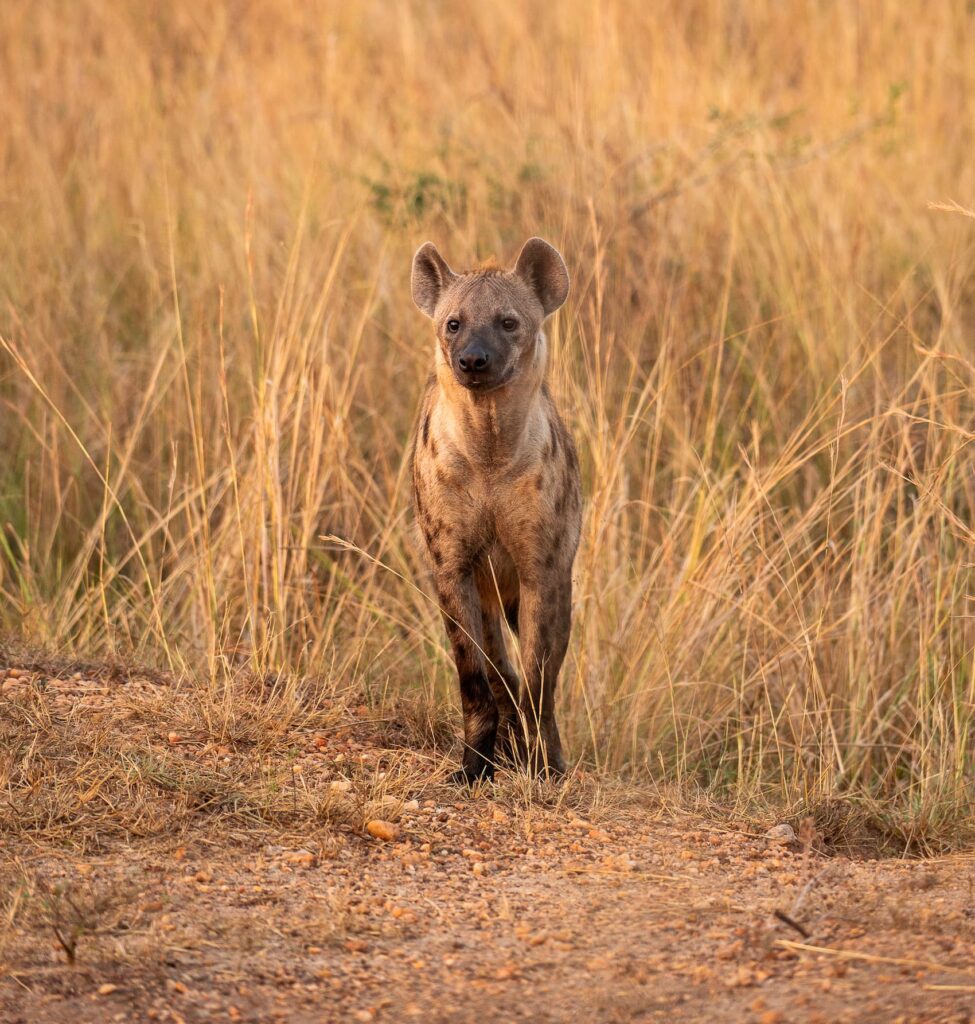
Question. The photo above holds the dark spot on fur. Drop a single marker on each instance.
(476, 696)
(433, 447)
(435, 552)
(540, 481)
(426, 429)
(550, 560)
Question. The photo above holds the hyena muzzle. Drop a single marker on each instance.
(497, 495)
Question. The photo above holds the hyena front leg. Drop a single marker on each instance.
(461, 609)
(544, 621)
(504, 681)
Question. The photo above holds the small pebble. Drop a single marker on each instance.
(781, 834)
(383, 830)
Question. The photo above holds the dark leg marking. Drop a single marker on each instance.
(505, 685)
(480, 728)
(545, 620)
(460, 605)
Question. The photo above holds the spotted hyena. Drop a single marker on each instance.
(496, 487)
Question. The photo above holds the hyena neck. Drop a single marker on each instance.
(499, 427)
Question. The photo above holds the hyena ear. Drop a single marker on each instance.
(429, 278)
(542, 268)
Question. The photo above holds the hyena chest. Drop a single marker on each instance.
(485, 503)
(504, 527)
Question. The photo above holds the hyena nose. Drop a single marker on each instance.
(474, 359)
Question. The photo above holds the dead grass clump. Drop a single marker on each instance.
(84, 763)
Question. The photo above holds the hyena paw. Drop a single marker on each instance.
(466, 776)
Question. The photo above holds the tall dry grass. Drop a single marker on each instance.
(209, 358)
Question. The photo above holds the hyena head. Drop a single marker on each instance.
(488, 320)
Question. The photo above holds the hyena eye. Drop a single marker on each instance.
(508, 324)
(453, 326)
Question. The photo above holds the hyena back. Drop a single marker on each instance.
(497, 496)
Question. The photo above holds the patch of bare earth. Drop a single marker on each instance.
(159, 865)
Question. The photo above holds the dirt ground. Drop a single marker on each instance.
(587, 903)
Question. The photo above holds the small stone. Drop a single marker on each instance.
(782, 833)
(107, 989)
(383, 830)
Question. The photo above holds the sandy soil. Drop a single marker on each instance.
(500, 905)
